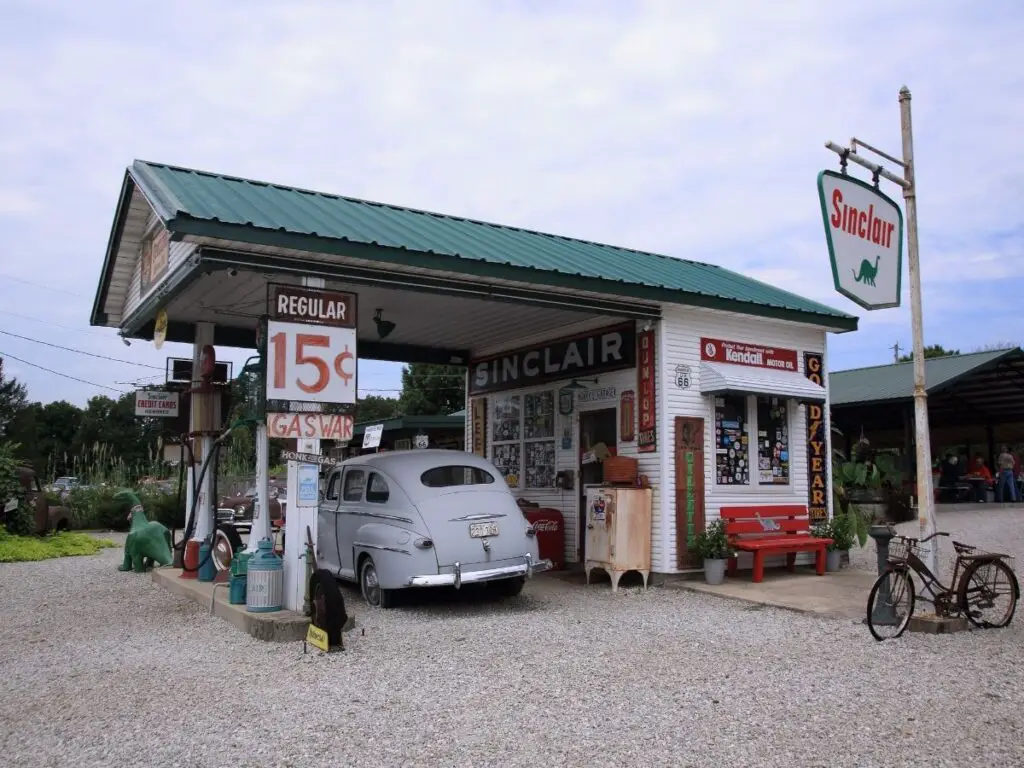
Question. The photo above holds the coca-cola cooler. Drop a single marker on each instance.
(550, 528)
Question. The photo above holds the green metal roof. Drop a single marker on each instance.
(207, 204)
(451, 421)
(896, 381)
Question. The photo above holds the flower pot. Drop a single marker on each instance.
(834, 559)
(714, 571)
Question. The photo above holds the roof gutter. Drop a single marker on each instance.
(183, 224)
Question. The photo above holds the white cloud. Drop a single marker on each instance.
(685, 128)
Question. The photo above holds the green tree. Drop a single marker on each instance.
(13, 399)
(432, 390)
(377, 408)
(931, 350)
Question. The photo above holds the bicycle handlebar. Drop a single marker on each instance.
(937, 533)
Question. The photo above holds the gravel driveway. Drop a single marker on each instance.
(100, 668)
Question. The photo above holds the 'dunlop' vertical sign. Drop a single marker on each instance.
(647, 433)
(817, 445)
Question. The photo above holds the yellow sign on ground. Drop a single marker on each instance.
(318, 638)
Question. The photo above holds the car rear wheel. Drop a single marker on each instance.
(508, 587)
(373, 593)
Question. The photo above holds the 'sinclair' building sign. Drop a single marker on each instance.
(608, 349)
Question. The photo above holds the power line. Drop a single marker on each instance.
(83, 352)
(42, 285)
(56, 325)
(58, 373)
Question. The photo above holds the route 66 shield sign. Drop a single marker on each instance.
(683, 376)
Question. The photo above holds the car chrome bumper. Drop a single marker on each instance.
(457, 577)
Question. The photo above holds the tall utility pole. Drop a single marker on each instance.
(895, 352)
(923, 454)
(925, 503)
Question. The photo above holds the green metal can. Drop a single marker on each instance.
(240, 563)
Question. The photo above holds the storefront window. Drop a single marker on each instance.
(524, 439)
(732, 462)
(507, 431)
(772, 441)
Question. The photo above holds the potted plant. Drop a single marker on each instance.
(841, 530)
(867, 490)
(713, 545)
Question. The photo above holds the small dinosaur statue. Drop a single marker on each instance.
(867, 272)
(148, 541)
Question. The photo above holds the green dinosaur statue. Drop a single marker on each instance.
(867, 271)
(148, 541)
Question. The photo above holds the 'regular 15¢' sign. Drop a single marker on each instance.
(607, 349)
(864, 231)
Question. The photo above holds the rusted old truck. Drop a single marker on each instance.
(47, 517)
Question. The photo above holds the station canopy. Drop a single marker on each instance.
(968, 395)
(454, 288)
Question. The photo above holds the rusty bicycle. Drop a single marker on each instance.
(981, 582)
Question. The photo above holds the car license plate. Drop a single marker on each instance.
(481, 530)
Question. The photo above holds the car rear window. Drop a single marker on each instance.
(455, 474)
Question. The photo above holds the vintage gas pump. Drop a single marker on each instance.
(206, 423)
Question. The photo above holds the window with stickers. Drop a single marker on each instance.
(752, 440)
(523, 438)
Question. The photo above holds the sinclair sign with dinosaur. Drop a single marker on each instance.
(864, 230)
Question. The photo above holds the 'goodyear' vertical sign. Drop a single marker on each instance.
(817, 445)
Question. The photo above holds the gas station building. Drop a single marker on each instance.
(715, 382)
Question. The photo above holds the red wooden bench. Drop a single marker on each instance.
(782, 528)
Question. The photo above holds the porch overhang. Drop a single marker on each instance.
(724, 378)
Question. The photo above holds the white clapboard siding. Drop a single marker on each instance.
(683, 329)
(179, 252)
(568, 501)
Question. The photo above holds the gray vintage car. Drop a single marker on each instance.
(423, 518)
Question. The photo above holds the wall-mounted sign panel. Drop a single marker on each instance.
(603, 350)
(741, 353)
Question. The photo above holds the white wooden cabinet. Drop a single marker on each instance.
(618, 531)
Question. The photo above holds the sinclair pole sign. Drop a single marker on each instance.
(864, 229)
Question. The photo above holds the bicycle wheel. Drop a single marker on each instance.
(987, 594)
(890, 605)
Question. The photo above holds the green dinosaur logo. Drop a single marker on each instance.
(867, 272)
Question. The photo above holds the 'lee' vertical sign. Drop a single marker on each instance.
(817, 445)
(647, 433)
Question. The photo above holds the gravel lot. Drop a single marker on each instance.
(100, 668)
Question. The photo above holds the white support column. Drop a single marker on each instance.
(261, 511)
(297, 519)
(201, 445)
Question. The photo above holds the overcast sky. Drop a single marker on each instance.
(688, 128)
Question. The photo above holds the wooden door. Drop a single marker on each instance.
(689, 487)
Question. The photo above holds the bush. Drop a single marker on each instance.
(164, 508)
(21, 521)
(22, 549)
(95, 508)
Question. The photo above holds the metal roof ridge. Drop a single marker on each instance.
(927, 360)
(160, 196)
(424, 212)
